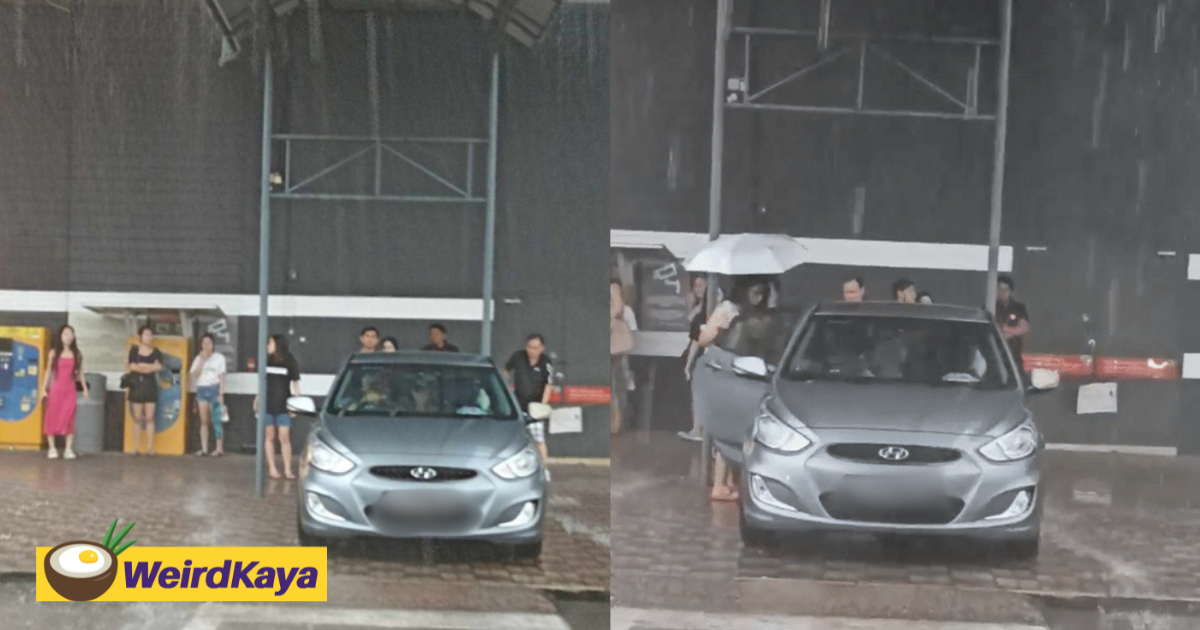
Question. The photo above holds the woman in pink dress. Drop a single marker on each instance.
(65, 368)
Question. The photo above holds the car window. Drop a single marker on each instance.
(421, 390)
(901, 349)
(759, 335)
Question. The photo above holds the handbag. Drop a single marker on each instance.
(620, 338)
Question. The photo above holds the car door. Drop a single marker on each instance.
(725, 402)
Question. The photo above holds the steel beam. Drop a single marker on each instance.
(813, 109)
(363, 197)
(998, 164)
(264, 273)
(489, 231)
(724, 13)
(845, 36)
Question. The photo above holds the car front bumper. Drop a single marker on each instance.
(488, 501)
(966, 492)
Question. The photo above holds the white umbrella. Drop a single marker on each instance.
(748, 255)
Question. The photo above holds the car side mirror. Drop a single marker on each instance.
(302, 405)
(1043, 380)
(539, 411)
(751, 368)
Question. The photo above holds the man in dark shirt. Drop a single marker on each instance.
(530, 371)
(368, 340)
(437, 340)
(1013, 319)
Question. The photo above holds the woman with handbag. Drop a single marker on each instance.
(65, 374)
(620, 344)
(209, 372)
(145, 362)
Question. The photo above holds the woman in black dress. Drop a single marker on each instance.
(145, 362)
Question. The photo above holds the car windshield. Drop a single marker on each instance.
(451, 391)
(865, 349)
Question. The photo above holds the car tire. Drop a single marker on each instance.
(754, 537)
(528, 551)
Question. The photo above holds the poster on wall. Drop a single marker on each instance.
(225, 331)
(662, 286)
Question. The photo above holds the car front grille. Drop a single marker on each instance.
(405, 473)
(935, 511)
(870, 454)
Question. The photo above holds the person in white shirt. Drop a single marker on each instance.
(208, 371)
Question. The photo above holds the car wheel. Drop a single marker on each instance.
(530, 551)
(754, 537)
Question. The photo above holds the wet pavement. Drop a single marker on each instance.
(190, 501)
(1115, 526)
(492, 608)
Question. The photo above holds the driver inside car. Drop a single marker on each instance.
(376, 395)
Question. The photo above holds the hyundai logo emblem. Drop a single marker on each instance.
(892, 453)
(424, 473)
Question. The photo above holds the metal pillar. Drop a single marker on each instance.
(998, 165)
(264, 271)
(724, 13)
(489, 231)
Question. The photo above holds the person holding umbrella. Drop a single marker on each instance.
(751, 296)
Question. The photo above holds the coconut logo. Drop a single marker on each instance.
(81, 570)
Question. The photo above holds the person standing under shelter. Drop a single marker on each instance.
(904, 291)
(437, 340)
(854, 290)
(530, 372)
(65, 366)
(1013, 319)
(368, 340)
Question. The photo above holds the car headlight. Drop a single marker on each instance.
(324, 458)
(772, 433)
(523, 464)
(1019, 443)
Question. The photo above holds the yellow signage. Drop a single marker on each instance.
(89, 571)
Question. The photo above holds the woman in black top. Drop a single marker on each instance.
(283, 381)
(145, 362)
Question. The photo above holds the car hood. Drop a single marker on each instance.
(901, 407)
(464, 437)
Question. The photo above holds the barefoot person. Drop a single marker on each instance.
(283, 381)
(750, 295)
(209, 373)
(66, 369)
(145, 362)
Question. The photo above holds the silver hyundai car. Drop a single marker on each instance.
(421, 445)
(882, 418)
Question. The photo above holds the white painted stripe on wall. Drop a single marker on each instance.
(1126, 449)
(844, 252)
(322, 306)
(246, 383)
(1191, 365)
(1193, 266)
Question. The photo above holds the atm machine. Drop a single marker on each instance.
(22, 365)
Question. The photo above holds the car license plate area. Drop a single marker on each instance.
(901, 500)
(405, 512)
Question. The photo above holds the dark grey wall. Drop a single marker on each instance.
(129, 161)
(1100, 156)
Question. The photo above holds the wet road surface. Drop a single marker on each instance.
(1116, 526)
(189, 501)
